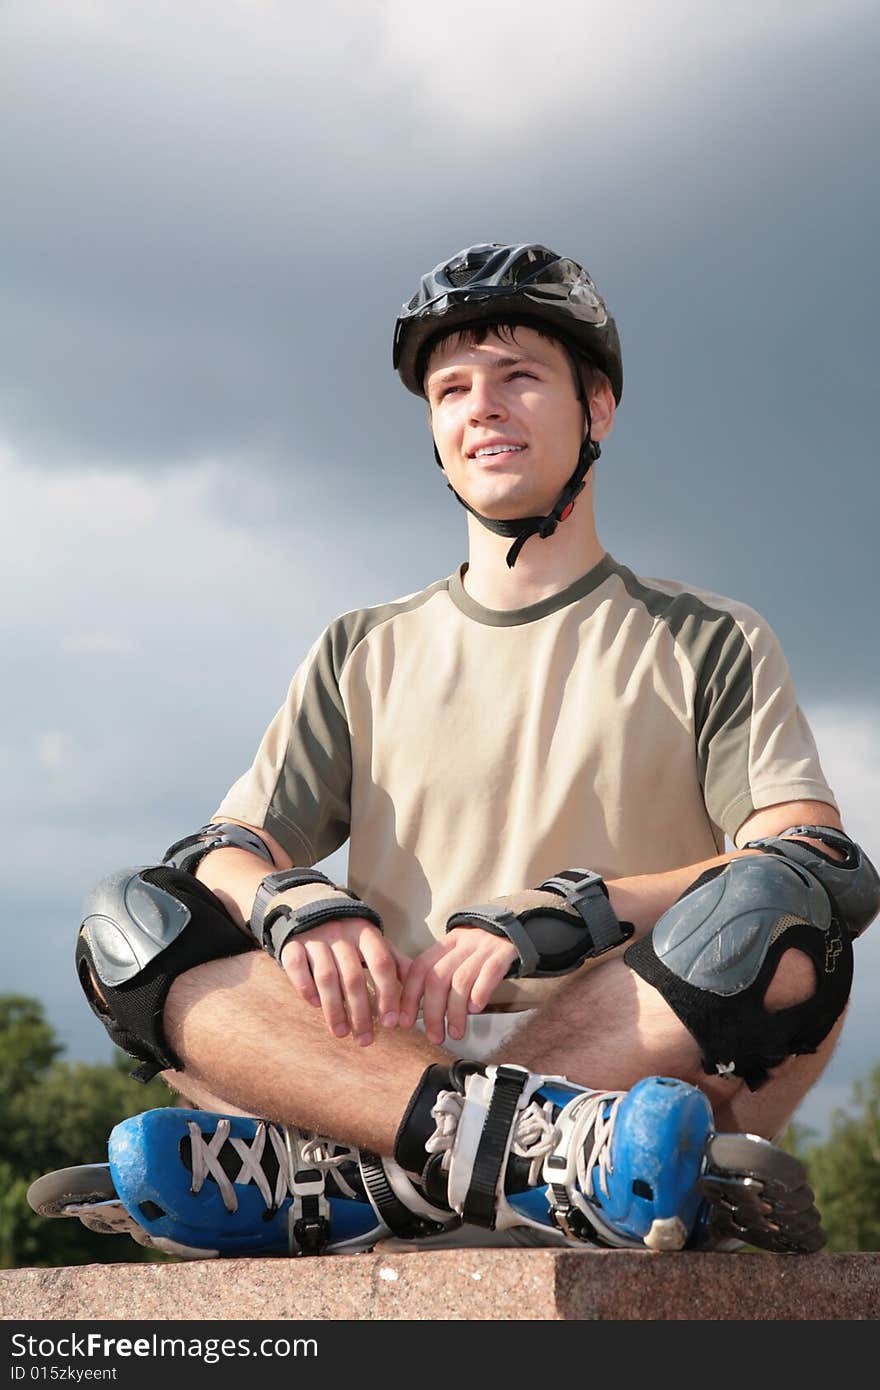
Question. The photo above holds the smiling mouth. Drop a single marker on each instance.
(491, 450)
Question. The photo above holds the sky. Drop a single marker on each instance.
(212, 212)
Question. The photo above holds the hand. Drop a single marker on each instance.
(454, 978)
(327, 967)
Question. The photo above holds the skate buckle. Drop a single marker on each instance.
(309, 1222)
(564, 1213)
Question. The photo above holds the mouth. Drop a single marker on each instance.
(489, 453)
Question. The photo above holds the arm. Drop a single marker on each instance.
(326, 965)
(644, 898)
(296, 795)
(459, 975)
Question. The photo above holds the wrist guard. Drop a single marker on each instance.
(294, 901)
(555, 927)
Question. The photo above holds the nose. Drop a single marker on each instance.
(485, 400)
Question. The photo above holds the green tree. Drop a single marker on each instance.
(56, 1114)
(845, 1170)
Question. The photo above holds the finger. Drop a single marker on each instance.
(326, 978)
(354, 989)
(386, 982)
(459, 997)
(491, 973)
(402, 962)
(295, 964)
(435, 997)
(411, 997)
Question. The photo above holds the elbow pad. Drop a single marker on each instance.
(852, 883)
(567, 920)
(188, 853)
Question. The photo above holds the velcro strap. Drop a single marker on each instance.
(588, 924)
(481, 1201)
(281, 925)
(500, 921)
(583, 890)
(273, 922)
(274, 884)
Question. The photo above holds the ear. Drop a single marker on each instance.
(602, 410)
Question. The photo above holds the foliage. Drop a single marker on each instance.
(845, 1171)
(55, 1114)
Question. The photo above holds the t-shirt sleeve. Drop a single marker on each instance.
(299, 784)
(754, 745)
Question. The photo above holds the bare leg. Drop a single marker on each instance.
(245, 1035)
(610, 1027)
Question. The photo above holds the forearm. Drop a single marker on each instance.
(235, 875)
(643, 898)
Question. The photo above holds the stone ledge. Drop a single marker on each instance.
(471, 1284)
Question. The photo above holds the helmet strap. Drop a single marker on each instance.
(521, 528)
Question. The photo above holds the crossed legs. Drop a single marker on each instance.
(252, 1047)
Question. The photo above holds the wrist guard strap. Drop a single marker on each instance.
(275, 919)
(556, 927)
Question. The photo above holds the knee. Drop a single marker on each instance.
(793, 982)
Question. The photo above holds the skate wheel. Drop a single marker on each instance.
(759, 1195)
(87, 1184)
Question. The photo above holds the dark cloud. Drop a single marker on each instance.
(209, 225)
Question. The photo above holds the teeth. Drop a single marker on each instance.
(499, 449)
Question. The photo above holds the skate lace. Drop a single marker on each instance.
(446, 1113)
(315, 1153)
(293, 1151)
(536, 1136)
(587, 1115)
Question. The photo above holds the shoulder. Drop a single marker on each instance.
(344, 634)
(687, 608)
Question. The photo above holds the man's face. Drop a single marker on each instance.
(507, 420)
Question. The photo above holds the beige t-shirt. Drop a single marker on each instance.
(623, 725)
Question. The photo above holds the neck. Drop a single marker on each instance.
(543, 568)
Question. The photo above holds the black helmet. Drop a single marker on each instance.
(529, 285)
(492, 283)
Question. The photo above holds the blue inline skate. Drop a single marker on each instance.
(638, 1169)
(200, 1185)
(495, 1149)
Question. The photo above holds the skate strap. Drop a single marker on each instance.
(480, 1201)
(400, 1219)
(309, 1214)
(579, 1161)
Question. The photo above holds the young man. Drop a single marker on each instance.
(535, 762)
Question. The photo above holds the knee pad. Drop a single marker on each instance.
(714, 952)
(141, 929)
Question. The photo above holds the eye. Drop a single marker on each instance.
(448, 391)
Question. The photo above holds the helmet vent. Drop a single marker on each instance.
(460, 274)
